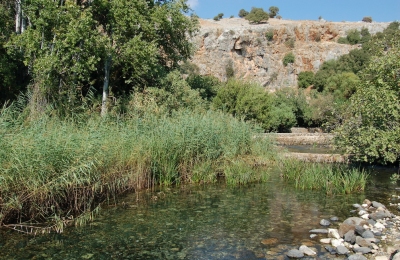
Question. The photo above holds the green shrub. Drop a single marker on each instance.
(245, 100)
(243, 13)
(305, 79)
(273, 11)
(367, 19)
(289, 58)
(270, 34)
(207, 86)
(218, 17)
(372, 129)
(229, 70)
(257, 15)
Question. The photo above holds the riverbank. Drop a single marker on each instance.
(58, 170)
(371, 233)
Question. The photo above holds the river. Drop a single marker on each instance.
(258, 221)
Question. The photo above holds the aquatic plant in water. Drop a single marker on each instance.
(331, 178)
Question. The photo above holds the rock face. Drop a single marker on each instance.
(252, 55)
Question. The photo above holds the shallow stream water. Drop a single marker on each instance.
(258, 221)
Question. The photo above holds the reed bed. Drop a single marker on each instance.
(330, 178)
(61, 169)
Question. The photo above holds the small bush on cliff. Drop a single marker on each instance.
(289, 58)
(243, 13)
(269, 34)
(257, 15)
(218, 17)
(367, 19)
(229, 70)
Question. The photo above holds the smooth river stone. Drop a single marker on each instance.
(294, 253)
(306, 250)
(319, 231)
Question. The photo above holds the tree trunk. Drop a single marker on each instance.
(107, 68)
(18, 16)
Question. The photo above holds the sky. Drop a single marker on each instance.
(330, 10)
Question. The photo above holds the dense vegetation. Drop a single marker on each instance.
(98, 98)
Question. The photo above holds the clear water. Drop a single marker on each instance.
(309, 149)
(259, 221)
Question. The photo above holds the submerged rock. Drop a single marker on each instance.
(306, 250)
(325, 222)
(342, 250)
(295, 253)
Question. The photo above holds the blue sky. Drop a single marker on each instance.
(330, 10)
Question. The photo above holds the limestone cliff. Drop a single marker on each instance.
(245, 46)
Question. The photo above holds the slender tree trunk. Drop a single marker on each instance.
(107, 68)
(18, 16)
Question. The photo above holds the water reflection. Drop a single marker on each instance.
(259, 221)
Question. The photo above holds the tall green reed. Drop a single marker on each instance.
(53, 167)
(331, 178)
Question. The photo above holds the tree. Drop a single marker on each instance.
(74, 46)
(367, 19)
(273, 11)
(371, 131)
(218, 17)
(305, 79)
(257, 15)
(13, 73)
(243, 13)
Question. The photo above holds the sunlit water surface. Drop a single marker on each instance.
(259, 221)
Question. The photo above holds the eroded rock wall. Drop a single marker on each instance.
(244, 46)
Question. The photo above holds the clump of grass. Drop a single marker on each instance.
(63, 168)
(331, 178)
(241, 172)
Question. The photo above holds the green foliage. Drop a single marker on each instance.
(13, 74)
(371, 130)
(243, 13)
(270, 34)
(189, 68)
(293, 104)
(218, 17)
(332, 179)
(206, 85)
(342, 85)
(273, 11)
(68, 44)
(288, 58)
(229, 70)
(68, 167)
(305, 79)
(257, 15)
(367, 19)
(175, 94)
(356, 37)
(353, 37)
(245, 101)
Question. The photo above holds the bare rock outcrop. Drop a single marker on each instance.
(246, 47)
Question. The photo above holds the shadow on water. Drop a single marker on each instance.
(259, 221)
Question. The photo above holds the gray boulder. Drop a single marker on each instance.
(294, 253)
(342, 250)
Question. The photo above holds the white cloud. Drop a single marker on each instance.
(193, 3)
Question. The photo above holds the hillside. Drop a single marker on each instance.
(234, 42)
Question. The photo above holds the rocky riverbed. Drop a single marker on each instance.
(372, 233)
